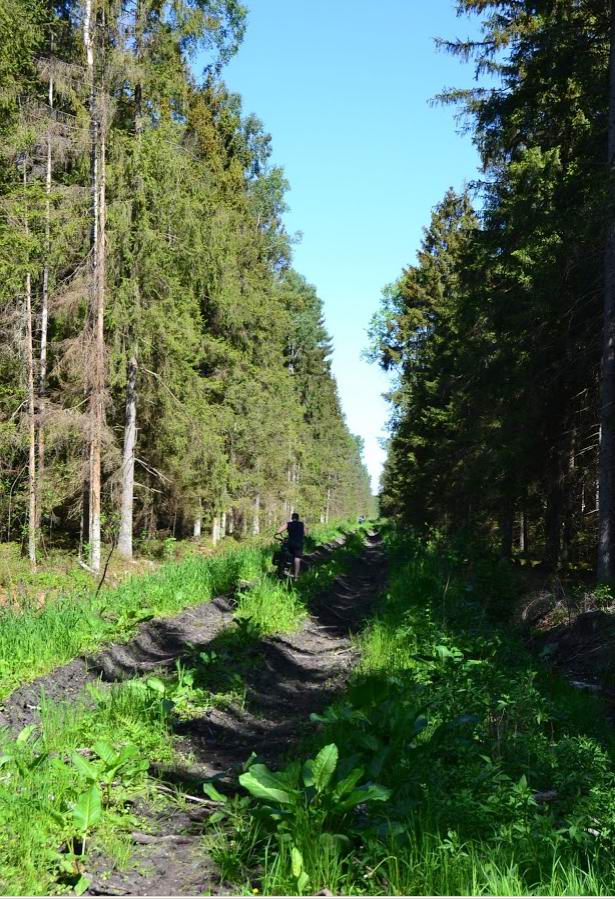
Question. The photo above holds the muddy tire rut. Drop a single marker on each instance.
(297, 674)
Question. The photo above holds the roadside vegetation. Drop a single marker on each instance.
(35, 639)
(454, 764)
(69, 783)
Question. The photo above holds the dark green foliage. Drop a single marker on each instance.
(495, 331)
(237, 411)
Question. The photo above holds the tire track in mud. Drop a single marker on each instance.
(156, 646)
(301, 673)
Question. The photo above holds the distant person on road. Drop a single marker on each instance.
(296, 532)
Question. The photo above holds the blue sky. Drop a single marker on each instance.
(343, 87)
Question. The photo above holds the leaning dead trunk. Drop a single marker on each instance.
(124, 544)
(606, 557)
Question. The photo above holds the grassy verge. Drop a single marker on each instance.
(453, 765)
(70, 783)
(272, 607)
(34, 640)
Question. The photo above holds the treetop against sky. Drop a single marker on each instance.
(344, 89)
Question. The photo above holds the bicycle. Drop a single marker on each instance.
(282, 558)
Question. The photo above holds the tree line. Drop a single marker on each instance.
(162, 365)
(502, 333)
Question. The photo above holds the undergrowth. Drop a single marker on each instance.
(76, 772)
(489, 774)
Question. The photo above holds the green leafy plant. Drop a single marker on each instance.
(310, 788)
(87, 812)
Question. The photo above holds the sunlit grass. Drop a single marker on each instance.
(271, 607)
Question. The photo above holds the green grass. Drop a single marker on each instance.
(41, 837)
(271, 607)
(34, 640)
(450, 714)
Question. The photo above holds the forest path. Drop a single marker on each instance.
(292, 676)
(156, 646)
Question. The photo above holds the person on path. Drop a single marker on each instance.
(296, 532)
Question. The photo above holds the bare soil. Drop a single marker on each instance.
(297, 675)
(569, 630)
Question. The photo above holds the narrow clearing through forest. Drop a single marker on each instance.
(301, 674)
(287, 678)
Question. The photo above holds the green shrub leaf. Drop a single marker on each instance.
(264, 784)
(319, 771)
(296, 860)
(88, 809)
(85, 768)
(368, 793)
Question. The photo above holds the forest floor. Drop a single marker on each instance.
(571, 626)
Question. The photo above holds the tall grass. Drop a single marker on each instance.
(40, 784)
(502, 776)
(271, 607)
(34, 640)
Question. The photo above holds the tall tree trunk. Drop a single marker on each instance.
(98, 124)
(198, 522)
(507, 519)
(42, 371)
(569, 496)
(606, 556)
(523, 534)
(215, 530)
(124, 544)
(553, 515)
(256, 516)
(32, 489)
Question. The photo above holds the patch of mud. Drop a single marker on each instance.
(300, 674)
(167, 862)
(157, 646)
